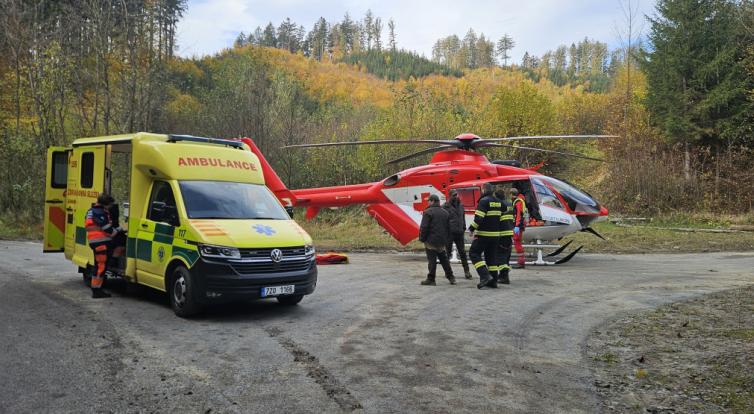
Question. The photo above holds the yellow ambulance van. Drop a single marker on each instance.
(201, 224)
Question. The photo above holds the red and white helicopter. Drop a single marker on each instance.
(556, 208)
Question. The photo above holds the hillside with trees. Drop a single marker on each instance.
(682, 107)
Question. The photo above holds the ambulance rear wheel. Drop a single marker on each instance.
(181, 292)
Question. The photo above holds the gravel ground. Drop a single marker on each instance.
(695, 356)
(370, 339)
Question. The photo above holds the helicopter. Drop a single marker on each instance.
(556, 207)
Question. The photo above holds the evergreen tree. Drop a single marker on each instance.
(391, 34)
(269, 39)
(698, 85)
(377, 33)
(368, 26)
(504, 46)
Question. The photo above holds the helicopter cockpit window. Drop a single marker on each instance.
(577, 200)
(545, 195)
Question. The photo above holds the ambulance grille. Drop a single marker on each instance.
(265, 253)
(262, 268)
(259, 261)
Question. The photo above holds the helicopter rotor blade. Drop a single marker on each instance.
(418, 153)
(569, 154)
(550, 137)
(378, 142)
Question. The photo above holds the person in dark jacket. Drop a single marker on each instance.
(457, 228)
(485, 232)
(506, 237)
(434, 232)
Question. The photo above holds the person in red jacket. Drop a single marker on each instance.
(519, 225)
(100, 233)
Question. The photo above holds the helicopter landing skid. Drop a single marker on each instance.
(540, 256)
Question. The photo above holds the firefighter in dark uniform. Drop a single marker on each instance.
(485, 231)
(457, 228)
(506, 238)
(519, 225)
(100, 233)
(434, 232)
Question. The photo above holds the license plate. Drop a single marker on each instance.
(278, 290)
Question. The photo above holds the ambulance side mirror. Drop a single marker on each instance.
(289, 209)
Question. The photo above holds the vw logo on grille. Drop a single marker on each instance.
(276, 255)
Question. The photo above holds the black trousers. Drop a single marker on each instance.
(457, 239)
(504, 252)
(432, 257)
(483, 254)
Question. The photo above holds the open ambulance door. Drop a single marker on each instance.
(55, 189)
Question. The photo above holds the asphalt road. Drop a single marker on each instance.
(369, 340)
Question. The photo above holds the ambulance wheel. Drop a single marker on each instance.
(290, 300)
(181, 293)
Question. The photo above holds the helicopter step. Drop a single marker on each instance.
(538, 253)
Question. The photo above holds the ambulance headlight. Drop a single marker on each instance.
(219, 252)
(309, 250)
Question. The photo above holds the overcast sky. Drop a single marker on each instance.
(535, 25)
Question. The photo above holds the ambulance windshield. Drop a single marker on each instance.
(227, 200)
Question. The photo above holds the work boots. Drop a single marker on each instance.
(429, 281)
(504, 279)
(451, 279)
(99, 294)
(466, 273)
(493, 282)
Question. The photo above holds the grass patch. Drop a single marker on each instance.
(20, 227)
(646, 239)
(744, 334)
(608, 358)
(350, 229)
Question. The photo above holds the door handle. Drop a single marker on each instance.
(54, 201)
(144, 225)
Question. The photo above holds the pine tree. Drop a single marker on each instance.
(377, 33)
(504, 46)
(698, 84)
(391, 34)
(268, 36)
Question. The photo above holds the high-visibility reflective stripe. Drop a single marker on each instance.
(494, 268)
(494, 213)
(477, 265)
(506, 217)
(100, 239)
(474, 225)
(106, 226)
(480, 213)
(487, 233)
(505, 267)
(506, 233)
(495, 204)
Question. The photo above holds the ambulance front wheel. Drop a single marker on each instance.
(182, 293)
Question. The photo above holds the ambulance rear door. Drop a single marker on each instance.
(55, 190)
(85, 182)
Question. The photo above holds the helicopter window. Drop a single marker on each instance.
(392, 180)
(545, 195)
(468, 197)
(577, 201)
